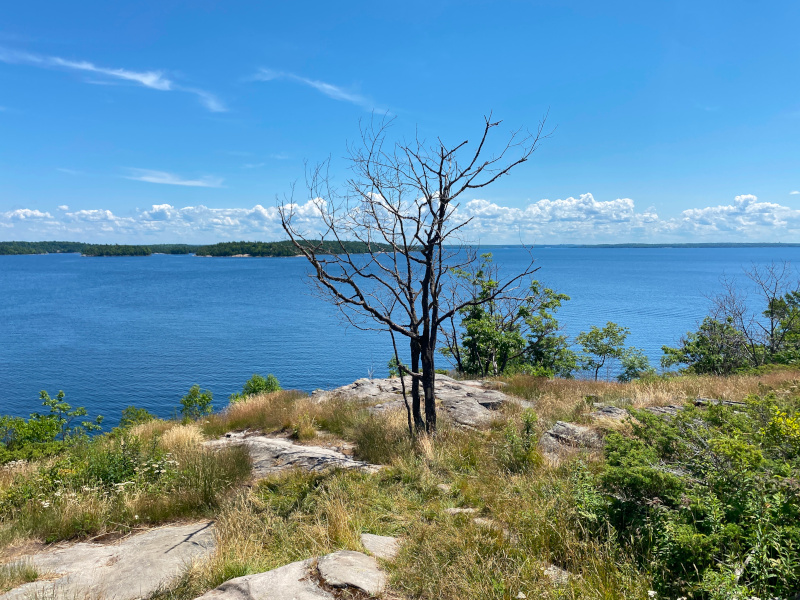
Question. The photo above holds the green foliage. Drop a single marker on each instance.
(44, 434)
(518, 450)
(635, 365)
(132, 416)
(707, 499)
(717, 348)
(505, 335)
(196, 404)
(600, 346)
(257, 384)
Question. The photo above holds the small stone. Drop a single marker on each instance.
(382, 546)
(461, 511)
(556, 574)
(521, 596)
(443, 487)
(563, 436)
(346, 568)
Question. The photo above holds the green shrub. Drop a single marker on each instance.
(196, 404)
(132, 416)
(257, 385)
(707, 499)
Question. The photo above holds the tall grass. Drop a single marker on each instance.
(15, 574)
(111, 485)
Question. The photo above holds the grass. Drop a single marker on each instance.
(116, 484)
(16, 574)
(545, 514)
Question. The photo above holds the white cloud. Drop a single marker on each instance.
(581, 220)
(68, 171)
(794, 192)
(171, 179)
(21, 214)
(155, 80)
(253, 165)
(62, 207)
(330, 90)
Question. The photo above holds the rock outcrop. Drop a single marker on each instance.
(563, 437)
(274, 454)
(310, 579)
(130, 569)
(468, 403)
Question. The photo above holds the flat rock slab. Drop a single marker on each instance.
(132, 568)
(469, 403)
(565, 436)
(461, 511)
(273, 455)
(382, 546)
(290, 582)
(346, 568)
(306, 579)
(665, 411)
(610, 412)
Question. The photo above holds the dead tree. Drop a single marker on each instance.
(401, 201)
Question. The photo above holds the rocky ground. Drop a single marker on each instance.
(139, 564)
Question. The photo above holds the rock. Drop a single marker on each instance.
(444, 487)
(564, 436)
(610, 412)
(346, 568)
(556, 575)
(715, 402)
(461, 511)
(273, 455)
(468, 403)
(290, 581)
(132, 568)
(667, 411)
(382, 546)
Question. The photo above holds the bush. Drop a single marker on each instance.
(196, 404)
(708, 499)
(257, 385)
(132, 416)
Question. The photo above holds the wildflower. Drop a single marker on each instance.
(135, 517)
(651, 594)
(45, 504)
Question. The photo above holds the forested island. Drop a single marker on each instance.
(259, 249)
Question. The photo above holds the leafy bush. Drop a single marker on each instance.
(132, 416)
(196, 404)
(708, 499)
(44, 434)
(257, 385)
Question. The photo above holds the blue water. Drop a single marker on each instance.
(117, 331)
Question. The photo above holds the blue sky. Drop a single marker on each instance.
(181, 121)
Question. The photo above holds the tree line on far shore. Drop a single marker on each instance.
(260, 249)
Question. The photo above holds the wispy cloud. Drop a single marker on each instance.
(154, 80)
(62, 207)
(163, 177)
(794, 193)
(253, 165)
(68, 171)
(279, 156)
(332, 91)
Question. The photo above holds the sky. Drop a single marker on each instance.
(187, 121)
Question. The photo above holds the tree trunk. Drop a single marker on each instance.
(428, 385)
(416, 404)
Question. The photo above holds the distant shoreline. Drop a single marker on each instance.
(287, 248)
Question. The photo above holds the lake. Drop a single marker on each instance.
(112, 332)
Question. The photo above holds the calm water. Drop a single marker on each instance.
(113, 332)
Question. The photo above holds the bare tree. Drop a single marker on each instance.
(765, 332)
(401, 201)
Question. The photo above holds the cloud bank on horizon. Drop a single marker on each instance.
(581, 220)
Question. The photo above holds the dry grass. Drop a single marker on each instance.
(182, 439)
(566, 399)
